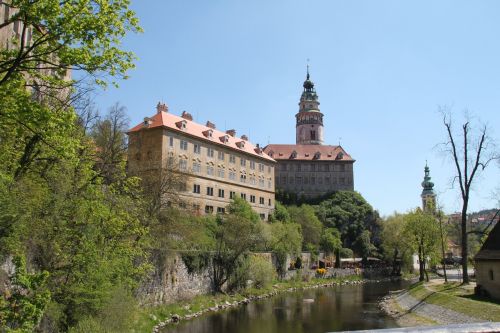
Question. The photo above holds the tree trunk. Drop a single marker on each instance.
(442, 246)
(337, 258)
(420, 263)
(465, 275)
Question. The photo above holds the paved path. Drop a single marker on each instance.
(435, 312)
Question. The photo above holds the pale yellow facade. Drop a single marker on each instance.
(214, 172)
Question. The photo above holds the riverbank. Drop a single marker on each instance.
(435, 302)
(154, 319)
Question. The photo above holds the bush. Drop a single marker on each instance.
(321, 272)
(261, 271)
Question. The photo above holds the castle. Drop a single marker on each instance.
(309, 168)
(215, 166)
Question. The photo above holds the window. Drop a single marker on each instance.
(269, 168)
(243, 162)
(252, 198)
(342, 180)
(327, 180)
(171, 141)
(342, 167)
(252, 165)
(269, 202)
(210, 170)
(232, 159)
(196, 148)
(262, 216)
(210, 152)
(283, 167)
(252, 181)
(490, 273)
(243, 178)
(232, 175)
(221, 210)
(196, 208)
(220, 173)
(269, 185)
(283, 179)
(243, 196)
(261, 182)
(261, 167)
(183, 165)
(196, 167)
(298, 180)
(297, 167)
(221, 193)
(261, 200)
(313, 167)
(220, 155)
(232, 195)
(313, 180)
(184, 145)
(196, 188)
(210, 191)
(313, 135)
(209, 209)
(6, 13)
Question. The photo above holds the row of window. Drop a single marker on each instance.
(313, 167)
(314, 180)
(221, 193)
(221, 210)
(197, 148)
(221, 173)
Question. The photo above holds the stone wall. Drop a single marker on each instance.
(171, 282)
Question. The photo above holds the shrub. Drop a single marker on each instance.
(261, 271)
(321, 271)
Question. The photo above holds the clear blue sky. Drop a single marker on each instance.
(381, 70)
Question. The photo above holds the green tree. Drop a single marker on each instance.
(331, 243)
(70, 35)
(310, 225)
(348, 212)
(422, 231)
(235, 234)
(394, 241)
(286, 241)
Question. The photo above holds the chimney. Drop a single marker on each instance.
(244, 137)
(210, 125)
(161, 107)
(187, 115)
(231, 132)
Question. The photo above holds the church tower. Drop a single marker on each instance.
(309, 126)
(428, 196)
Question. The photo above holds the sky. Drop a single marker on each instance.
(382, 71)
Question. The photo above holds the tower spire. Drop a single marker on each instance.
(309, 125)
(428, 196)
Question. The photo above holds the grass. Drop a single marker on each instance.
(456, 297)
(150, 316)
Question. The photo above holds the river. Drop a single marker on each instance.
(339, 308)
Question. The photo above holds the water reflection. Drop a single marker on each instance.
(334, 309)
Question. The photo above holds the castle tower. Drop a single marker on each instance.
(428, 196)
(309, 126)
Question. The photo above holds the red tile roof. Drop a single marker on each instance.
(307, 152)
(172, 122)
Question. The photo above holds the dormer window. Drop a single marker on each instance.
(181, 124)
(147, 122)
(317, 155)
(208, 133)
(224, 138)
(241, 144)
(294, 154)
(271, 153)
(339, 156)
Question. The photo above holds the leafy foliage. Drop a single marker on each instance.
(22, 310)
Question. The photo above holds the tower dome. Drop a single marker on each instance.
(309, 126)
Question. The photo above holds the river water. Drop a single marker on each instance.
(339, 308)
